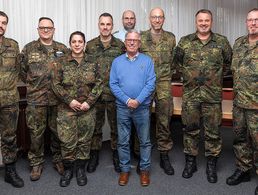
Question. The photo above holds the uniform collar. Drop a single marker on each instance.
(70, 57)
(245, 40)
(5, 42)
(40, 46)
(194, 37)
(162, 37)
(5, 45)
(112, 42)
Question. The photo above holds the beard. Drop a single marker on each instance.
(127, 28)
(2, 31)
(253, 32)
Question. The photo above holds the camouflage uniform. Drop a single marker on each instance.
(162, 55)
(245, 111)
(81, 82)
(202, 68)
(104, 57)
(41, 110)
(9, 97)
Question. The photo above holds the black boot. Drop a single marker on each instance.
(190, 166)
(68, 174)
(238, 177)
(256, 191)
(94, 161)
(12, 177)
(116, 161)
(211, 169)
(80, 172)
(165, 164)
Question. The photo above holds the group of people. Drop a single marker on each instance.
(70, 90)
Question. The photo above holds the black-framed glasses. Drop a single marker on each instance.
(45, 28)
(132, 40)
(251, 20)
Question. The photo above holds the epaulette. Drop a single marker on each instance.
(10, 39)
(170, 33)
(31, 43)
(239, 38)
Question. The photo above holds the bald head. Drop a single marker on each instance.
(128, 20)
(157, 19)
(128, 12)
(157, 10)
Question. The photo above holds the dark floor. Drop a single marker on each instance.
(104, 180)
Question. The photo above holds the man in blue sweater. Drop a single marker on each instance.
(132, 81)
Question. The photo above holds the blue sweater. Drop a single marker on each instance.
(132, 79)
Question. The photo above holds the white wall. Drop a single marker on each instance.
(71, 15)
(228, 15)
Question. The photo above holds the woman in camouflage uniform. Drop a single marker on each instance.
(76, 82)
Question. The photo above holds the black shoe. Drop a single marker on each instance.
(12, 177)
(80, 173)
(238, 177)
(116, 161)
(211, 169)
(190, 166)
(256, 191)
(94, 161)
(68, 174)
(165, 164)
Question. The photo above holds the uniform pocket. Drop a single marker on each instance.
(9, 60)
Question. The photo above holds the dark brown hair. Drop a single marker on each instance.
(77, 33)
(4, 15)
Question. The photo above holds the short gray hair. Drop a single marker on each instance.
(133, 31)
(253, 10)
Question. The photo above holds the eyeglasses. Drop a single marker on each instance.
(251, 20)
(45, 28)
(157, 17)
(132, 40)
(127, 18)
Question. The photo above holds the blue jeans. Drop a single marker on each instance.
(141, 119)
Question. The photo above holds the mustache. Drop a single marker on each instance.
(1, 28)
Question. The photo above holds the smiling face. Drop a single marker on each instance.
(46, 30)
(3, 25)
(203, 23)
(77, 45)
(132, 43)
(105, 26)
(157, 19)
(252, 23)
(128, 20)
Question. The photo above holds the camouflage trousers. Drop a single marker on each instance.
(163, 116)
(38, 119)
(163, 104)
(8, 125)
(101, 107)
(245, 144)
(197, 115)
(163, 112)
(75, 130)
